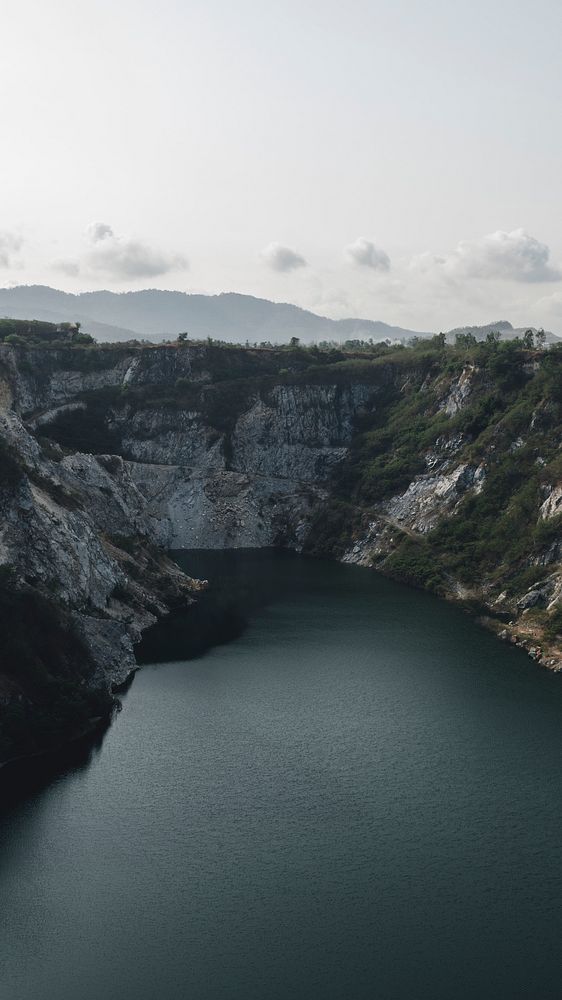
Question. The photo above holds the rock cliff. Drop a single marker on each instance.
(80, 579)
(440, 469)
(243, 471)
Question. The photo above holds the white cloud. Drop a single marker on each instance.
(9, 245)
(365, 253)
(427, 262)
(514, 256)
(67, 266)
(550, 307)
(120, 257)
(97, 231)
(280, 258)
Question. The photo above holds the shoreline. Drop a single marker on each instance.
(540, 652)
(531, 640)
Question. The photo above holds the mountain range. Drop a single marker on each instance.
(155, 314)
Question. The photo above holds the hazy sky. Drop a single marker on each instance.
(393, 159)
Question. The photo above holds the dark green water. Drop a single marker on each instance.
(358, 796)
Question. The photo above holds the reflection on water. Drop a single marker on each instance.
(237, 590)
(28, 777)
(360, 797)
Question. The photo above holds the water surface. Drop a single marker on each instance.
(356, 794)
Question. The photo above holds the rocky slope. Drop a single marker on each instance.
(79, 581)
(459, 491)
(439, 466)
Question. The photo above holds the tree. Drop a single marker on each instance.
(183, 337)
(467, 340)
(294, 342)
(540, 338)
(529, 340)
(493, 338)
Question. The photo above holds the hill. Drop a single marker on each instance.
(505, 329)
(155, 315)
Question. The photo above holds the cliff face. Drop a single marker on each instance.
(251, 474)
(441, 470)
(258, 485)
(79, 581)
(471, 502)
(83, 532)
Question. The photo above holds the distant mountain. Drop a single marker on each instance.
(155, 314)
(503, 327)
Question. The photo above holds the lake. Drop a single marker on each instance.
(335, 787)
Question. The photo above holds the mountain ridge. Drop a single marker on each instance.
(157, 313)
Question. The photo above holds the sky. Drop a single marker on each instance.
(388, 159)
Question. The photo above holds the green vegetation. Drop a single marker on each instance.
(36, 333)
(414, 563)
(553, 626)
(510, 423)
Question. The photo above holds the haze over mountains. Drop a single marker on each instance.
(155, 315)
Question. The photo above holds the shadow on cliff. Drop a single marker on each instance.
(241, 582)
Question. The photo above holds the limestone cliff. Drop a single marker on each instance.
(79, 581)
(440, 468)
(214, 471)
(84, 532)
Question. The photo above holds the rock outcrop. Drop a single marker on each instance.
(75, 551)
(257, 482)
